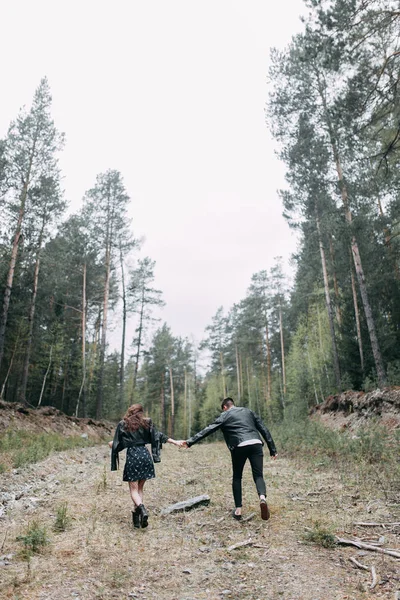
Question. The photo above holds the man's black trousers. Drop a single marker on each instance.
(240, 454)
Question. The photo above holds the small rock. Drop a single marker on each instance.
(84, 436)
(187, 571)
(226, 592)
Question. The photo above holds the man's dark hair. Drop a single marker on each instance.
(227, 402)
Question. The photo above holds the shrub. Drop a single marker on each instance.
(320, 536)
(34, 539)
(62, 518)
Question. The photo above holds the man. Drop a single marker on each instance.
(241, 429)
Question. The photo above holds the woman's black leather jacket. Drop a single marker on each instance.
(238, 424)
(125, 439)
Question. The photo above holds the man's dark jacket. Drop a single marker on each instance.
(125, 439)
(238, 424)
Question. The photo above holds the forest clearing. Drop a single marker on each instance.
(276, 261)
(91, 551)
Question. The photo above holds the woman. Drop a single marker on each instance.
(132, 433)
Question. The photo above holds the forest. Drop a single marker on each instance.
(334, 111)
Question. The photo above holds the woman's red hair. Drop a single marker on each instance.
(134, 418)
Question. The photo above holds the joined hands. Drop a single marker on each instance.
(182, 444)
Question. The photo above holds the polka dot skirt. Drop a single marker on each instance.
(139, 464)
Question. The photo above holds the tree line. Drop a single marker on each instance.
(334, 111)
(61, 276)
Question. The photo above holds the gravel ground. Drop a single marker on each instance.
(188, 556)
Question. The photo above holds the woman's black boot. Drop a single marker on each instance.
(144, 517)
(136, 519)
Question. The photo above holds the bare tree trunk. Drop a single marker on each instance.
(263, 379)
(171, 383)
(3, 387)
(241, 375)
(357, 316)
(237, 373)
(336, 366)
(99, 399)
(31, 316)
(221, 358)
(45, 377)
(335, 282)
(14, 252)
(268, 346)
(83, 327)
(122, 367)
(139, 344)
(282, 349)
(93, 355)
(185, 404)
(248, 382)
(380, 369)
(190, 409)
(321, 346)
(163, 402)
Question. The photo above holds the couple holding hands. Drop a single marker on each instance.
(241, 428)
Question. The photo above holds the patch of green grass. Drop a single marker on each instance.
(62, 518)
(34, 540)
(306, 438)
(26, 448)
(320, 536)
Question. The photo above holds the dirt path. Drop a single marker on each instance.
(187, 556)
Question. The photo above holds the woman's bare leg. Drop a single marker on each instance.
(141, 483)
(134, 492)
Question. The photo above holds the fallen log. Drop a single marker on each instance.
(185, 505)
(362, 546)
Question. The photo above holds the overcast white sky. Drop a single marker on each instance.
(172, 94)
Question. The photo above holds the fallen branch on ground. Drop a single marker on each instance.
(251, 515)
(240, 545)
(358, 564)
(363, 546)
(186, 505)
(372, 569)
(361, 524)
(374, 578)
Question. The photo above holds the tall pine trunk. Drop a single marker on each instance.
(99, 397)
(185, 404)
(171, 383)
(336, 366)
(221, 359)
(83, 328)
(357, 316)
(14, 253)
(380, 369)
(335, 282)
(162, 402)
(268, 347)
(31, 317)
(237, 373)
(282, 350)
(122, 367)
